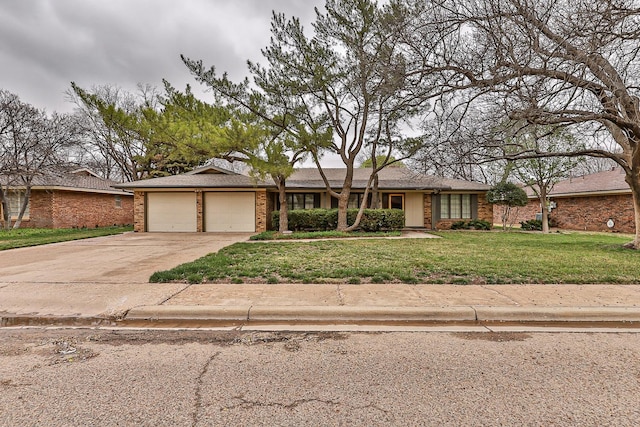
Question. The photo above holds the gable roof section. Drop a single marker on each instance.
(388, 179)
(309, 179)
(607, 182)
(198, 180)
(82, 180)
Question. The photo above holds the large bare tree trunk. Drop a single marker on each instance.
(545, 209)
(633, 179)
(23, 207)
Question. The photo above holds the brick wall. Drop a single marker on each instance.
(78, 209)
(485, 209)
(261, 211)
(199, 211)
(592, 213)
(139, 224)
(41, 210)
(428, 211)
(582, 213)
(271, 206)
(521, 213)
(74, 209)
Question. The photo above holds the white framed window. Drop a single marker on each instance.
(455, 206)
(15, 198)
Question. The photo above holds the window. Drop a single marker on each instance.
(14, 202)
(118, 200)
(455, 206)
(355, 200)
(303, 201)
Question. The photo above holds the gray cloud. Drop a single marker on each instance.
(46, 44)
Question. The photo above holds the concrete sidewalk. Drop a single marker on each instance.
(297, 306)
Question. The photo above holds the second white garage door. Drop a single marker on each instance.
(230, 212)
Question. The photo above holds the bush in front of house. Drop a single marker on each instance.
(474, 224)
(531, 225)
(327, 219)
(381, 219)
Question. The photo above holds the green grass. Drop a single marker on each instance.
(23, 237)
(458, 257)
(274, 235)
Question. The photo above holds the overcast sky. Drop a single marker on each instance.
(46, 44)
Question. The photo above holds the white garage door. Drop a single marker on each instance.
(171, 211)
(230, 212)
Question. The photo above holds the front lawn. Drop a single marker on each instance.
(296, 235)
(23, 237)
(458, 257)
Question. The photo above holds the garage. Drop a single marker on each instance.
(227, 211)
(171, 211)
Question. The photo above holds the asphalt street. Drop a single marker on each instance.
(199, 378)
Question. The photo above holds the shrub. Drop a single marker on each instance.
(479, 224)
(460, 225)
(474, 224)
(327, 219)
(531, 225)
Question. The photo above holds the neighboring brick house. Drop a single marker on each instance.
(72, 200)
(588, 203)
(214, 199)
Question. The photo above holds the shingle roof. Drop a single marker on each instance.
(309, 178)
(611, 181)
(75, 181)
(204, 180)
(388, 179)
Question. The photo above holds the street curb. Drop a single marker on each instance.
(246, 315)
(353, 314)
(178, 313)
(558, 314)
(12, 320)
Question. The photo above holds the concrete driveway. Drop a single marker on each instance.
(124, 258)
(104, 276)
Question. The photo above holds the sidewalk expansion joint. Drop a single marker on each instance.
(340, 295)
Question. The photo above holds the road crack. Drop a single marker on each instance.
(247, 404)
(199, 384)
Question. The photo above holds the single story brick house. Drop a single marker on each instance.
(213, 199)
(596, 202)
(72, 200)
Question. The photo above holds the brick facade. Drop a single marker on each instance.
(428, 211)
(76, 209)
(261, 211)
(592, 213)
(139, 217)
(587, 213)
(518, 214)
(199, 211)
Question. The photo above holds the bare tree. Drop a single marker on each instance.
(552, 62)
(32, 144)
(542, 173)
(109, 115)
